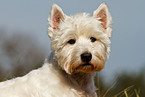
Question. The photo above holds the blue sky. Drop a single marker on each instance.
(128, 36)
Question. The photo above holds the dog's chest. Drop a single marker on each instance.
(57, 84)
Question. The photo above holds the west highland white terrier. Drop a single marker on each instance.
(80, 44)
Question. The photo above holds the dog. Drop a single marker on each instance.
(80, 45)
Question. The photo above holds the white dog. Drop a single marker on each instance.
(81, 45)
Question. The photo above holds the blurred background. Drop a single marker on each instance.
(24, 43)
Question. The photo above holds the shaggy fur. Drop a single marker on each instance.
(80, 44)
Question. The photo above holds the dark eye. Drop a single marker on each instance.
(93, 39)
(72, 41)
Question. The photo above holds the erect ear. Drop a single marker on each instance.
(56, 16)
(103, 15)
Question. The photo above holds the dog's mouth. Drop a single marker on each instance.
(86, 64)
(85, 67)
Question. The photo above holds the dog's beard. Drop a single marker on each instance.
(76, 65)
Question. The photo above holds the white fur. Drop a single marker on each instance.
(65, 75)
(47, 81)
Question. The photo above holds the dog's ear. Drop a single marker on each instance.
(103, 15)
(56, 16)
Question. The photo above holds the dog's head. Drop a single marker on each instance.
(80, 43)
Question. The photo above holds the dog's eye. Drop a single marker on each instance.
(93, 39)
(72, 41)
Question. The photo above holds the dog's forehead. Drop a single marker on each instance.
(81, 24)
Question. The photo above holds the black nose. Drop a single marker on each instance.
(86, 57)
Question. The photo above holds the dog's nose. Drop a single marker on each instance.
(86, 57)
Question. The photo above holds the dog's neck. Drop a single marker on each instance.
(85, 81)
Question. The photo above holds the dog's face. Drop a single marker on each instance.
(80, 43)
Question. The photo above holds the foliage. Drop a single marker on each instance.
(127, 85)
(19, 52)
